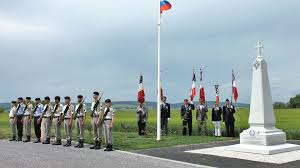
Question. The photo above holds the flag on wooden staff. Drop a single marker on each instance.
(193, 89)
(161, 92)
(202, 93)
(141, 92)
(234, 88)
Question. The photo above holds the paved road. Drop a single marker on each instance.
(29, 155)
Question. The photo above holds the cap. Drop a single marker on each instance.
(96, 93)
(107, 101)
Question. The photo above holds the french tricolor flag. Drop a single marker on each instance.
(202, 93)
(193, 89)
(165, 5)
(141, 92)
(234, 88)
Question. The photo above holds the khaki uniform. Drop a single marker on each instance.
(80, 115)
(106, 123)
(46, 122)
(97, 111)
(68, 111)
(27, 119)
(12, 121)
(57, 120)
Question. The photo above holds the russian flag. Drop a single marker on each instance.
(165, 5)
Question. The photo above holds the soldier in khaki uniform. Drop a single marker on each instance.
(68, 111)
(46, 120)
(109, 115)
(79, 116)
(95, 120)
(12, 119)
(27, 118)
(57, 120)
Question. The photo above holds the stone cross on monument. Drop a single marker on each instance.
(262, 137)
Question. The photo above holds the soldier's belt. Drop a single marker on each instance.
(79, 117)
(11, 117)
(67, 118)
(107, 119)
(46, 116)
(26, 115)
(20, 115)
(56, 116)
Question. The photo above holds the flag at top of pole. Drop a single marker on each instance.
(202, 93)
(165, 5)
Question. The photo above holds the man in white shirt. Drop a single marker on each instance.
(12, 119)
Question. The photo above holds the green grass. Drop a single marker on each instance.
(126, 138)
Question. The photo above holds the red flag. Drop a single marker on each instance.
(202, 93)
(193, 89)
(234, 88)
(141, 92)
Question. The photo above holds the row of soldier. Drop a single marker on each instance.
(44, 115)
(218, 114)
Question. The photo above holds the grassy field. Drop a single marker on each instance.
(126, 138)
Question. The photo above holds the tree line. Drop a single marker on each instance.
(294, 102)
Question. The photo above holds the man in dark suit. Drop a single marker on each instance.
(186, 116)
(228, 118)
(165, 111)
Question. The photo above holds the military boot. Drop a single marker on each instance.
(47, 141)
(68, 143)
(38, 140)
(93, 147)
(81, 144)
(98, 146)
(27, 139)
(13, 138)
(58, 142)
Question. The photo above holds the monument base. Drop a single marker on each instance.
(264, 136)
(265, 150)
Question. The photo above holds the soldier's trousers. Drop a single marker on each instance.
(97, 130)
(202, 128)
(217, 125)
(57, 128)
(46, 125)
(164, 126)
(107, 131)
(20, 126)
(230, 129)
(12, 126)
(27, 125)
(37, 127)
(80, 128)
(142, 128)
(187, 124)
(68, 129)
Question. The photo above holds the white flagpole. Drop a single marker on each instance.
(158, 129)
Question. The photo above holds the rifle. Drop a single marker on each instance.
(66, 110)
(102, 117)
(79, 108)
(96, 105)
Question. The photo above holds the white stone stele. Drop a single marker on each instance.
(262, 137)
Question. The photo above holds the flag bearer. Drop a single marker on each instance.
(216, 118)
(186, 116)
(19, 114)
(57, 120)
(68, 111)
(165, 115)
(12, 119)
(97, 111)
(201, 117)
(228, 118)
(27, 118)
(38, 111)
(108, 117)
(142, 115)
(79, 116)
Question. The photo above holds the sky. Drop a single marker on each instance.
(71, 47)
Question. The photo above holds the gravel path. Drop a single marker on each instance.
(29, 155)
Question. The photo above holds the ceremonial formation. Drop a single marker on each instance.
(46, 115)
